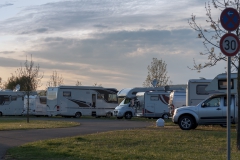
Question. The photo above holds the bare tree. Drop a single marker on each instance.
(55, 80)
(211, 37)
(157, 70)
(78, 83)
(32, 79)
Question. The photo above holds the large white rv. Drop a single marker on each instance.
(76, 101)
(154, 104)
(128, 98)
(11, 102)
(37, 105)
(131, 92)
(196, 92)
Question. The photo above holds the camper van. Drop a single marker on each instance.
(77, 101)
(149, 104)
(11, 102)
(129, 100)
(37, 105)
(177, 99)
(196, 92)
(155, 104)
(212, 110)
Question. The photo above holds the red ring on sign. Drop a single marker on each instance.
(221, 46)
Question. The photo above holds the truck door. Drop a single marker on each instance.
(224, 106)
(210, 111)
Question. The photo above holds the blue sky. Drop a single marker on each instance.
(109, 42)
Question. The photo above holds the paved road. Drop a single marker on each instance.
(19, 137)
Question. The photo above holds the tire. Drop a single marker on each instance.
(223, 125)
(165, 116)
(78, 115)
(185, 122)
(194, 126)
(0, 114)
(119, 117)
(108, 115)
(128, 115)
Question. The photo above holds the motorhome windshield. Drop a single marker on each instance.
(125, 101)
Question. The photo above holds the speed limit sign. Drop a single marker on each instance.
(229, 44)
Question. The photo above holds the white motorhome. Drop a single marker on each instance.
(128, 98)
(195, 91)
(177, 99)
(153, 104)
(37, 105)
(77, 101)
(11, 102)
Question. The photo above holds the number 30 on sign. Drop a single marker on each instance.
(229, 44)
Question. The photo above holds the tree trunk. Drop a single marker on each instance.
(238, 103)
(28, 106)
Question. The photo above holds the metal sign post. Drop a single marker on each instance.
(229, 45)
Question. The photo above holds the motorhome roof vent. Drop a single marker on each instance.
(202, 78)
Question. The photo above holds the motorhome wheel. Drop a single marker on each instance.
(78, 115)
(108, 115)
(119, 117)
(165, 116)
(128, 115)
(186, 123)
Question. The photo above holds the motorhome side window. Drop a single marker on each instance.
(200, 89)
(13, 98)
(154, 98)
(43, 100)
(66, 94)
(222, 84)
(112, 98)
(100, 96)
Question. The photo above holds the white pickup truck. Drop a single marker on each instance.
(211, 111)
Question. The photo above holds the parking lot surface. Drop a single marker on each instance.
(87, 126)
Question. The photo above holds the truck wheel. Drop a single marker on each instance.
(194, 126)
(119, 117)
(165, 116)
(0, 114)
(78, 115)
(128, 115)
(186, 122)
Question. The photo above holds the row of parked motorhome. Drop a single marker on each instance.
(75, 101)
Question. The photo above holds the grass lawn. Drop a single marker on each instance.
(153, 143)
(16, 124)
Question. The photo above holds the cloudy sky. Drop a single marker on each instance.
(109, 42)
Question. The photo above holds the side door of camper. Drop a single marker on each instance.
(52, 101)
